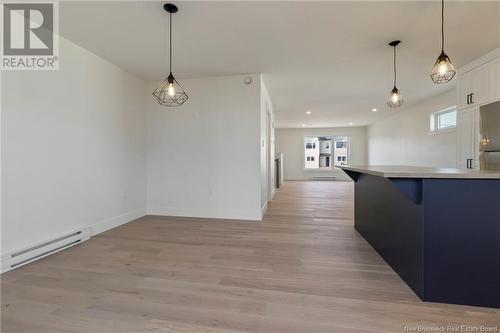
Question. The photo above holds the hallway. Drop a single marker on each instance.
(303, 269)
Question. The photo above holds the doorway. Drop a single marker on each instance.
(270, 155)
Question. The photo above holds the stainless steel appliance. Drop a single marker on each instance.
(489, 144)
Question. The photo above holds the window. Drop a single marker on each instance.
(341, 150)
(320, 152)
(444, 120)
(340, 144)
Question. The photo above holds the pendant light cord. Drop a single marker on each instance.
(394, 66)
(170, 42)
(442, 25)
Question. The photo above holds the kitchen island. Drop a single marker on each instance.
(438, 228)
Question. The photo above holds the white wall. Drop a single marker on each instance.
(403, 139)
(73, 149)
(290, 142)
(204, 157)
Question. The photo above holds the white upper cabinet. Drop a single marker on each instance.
(495, 79)
(480, 85)
(465, 89)
(474, 87)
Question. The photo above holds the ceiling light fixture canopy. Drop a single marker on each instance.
(170, 92)
(443, 70)
(395, 99)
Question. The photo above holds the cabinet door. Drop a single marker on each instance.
(481, 83)
(465, 136)
(476, 137)
(494, 71)
(465, 88)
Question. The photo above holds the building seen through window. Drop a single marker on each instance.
(318, 152)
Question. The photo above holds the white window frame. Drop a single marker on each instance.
(434, 121)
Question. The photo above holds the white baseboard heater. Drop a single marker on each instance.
(22, 257)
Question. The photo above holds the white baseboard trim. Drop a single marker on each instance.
(117, 221)
(48, 247)
(263, 210)
(337, 179)
(232, 214)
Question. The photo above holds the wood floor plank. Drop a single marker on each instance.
(302, 269)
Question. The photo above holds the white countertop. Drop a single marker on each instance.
(396, 171)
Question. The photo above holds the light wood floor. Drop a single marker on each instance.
(303, 269)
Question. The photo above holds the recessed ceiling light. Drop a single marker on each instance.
(350, 124)
(304, 125)
(308, 112)
(374, 110)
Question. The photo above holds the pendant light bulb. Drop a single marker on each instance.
(395, 99)
(443, 70)
(171, 90)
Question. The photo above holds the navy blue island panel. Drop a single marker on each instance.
(441, 235)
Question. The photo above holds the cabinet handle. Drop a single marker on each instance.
(468, 99)
(469, 163)
(471, 98)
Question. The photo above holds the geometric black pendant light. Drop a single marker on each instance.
(170, 92)
(443, 70)
(395, 99)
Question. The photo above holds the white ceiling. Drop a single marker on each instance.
(328, 57)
